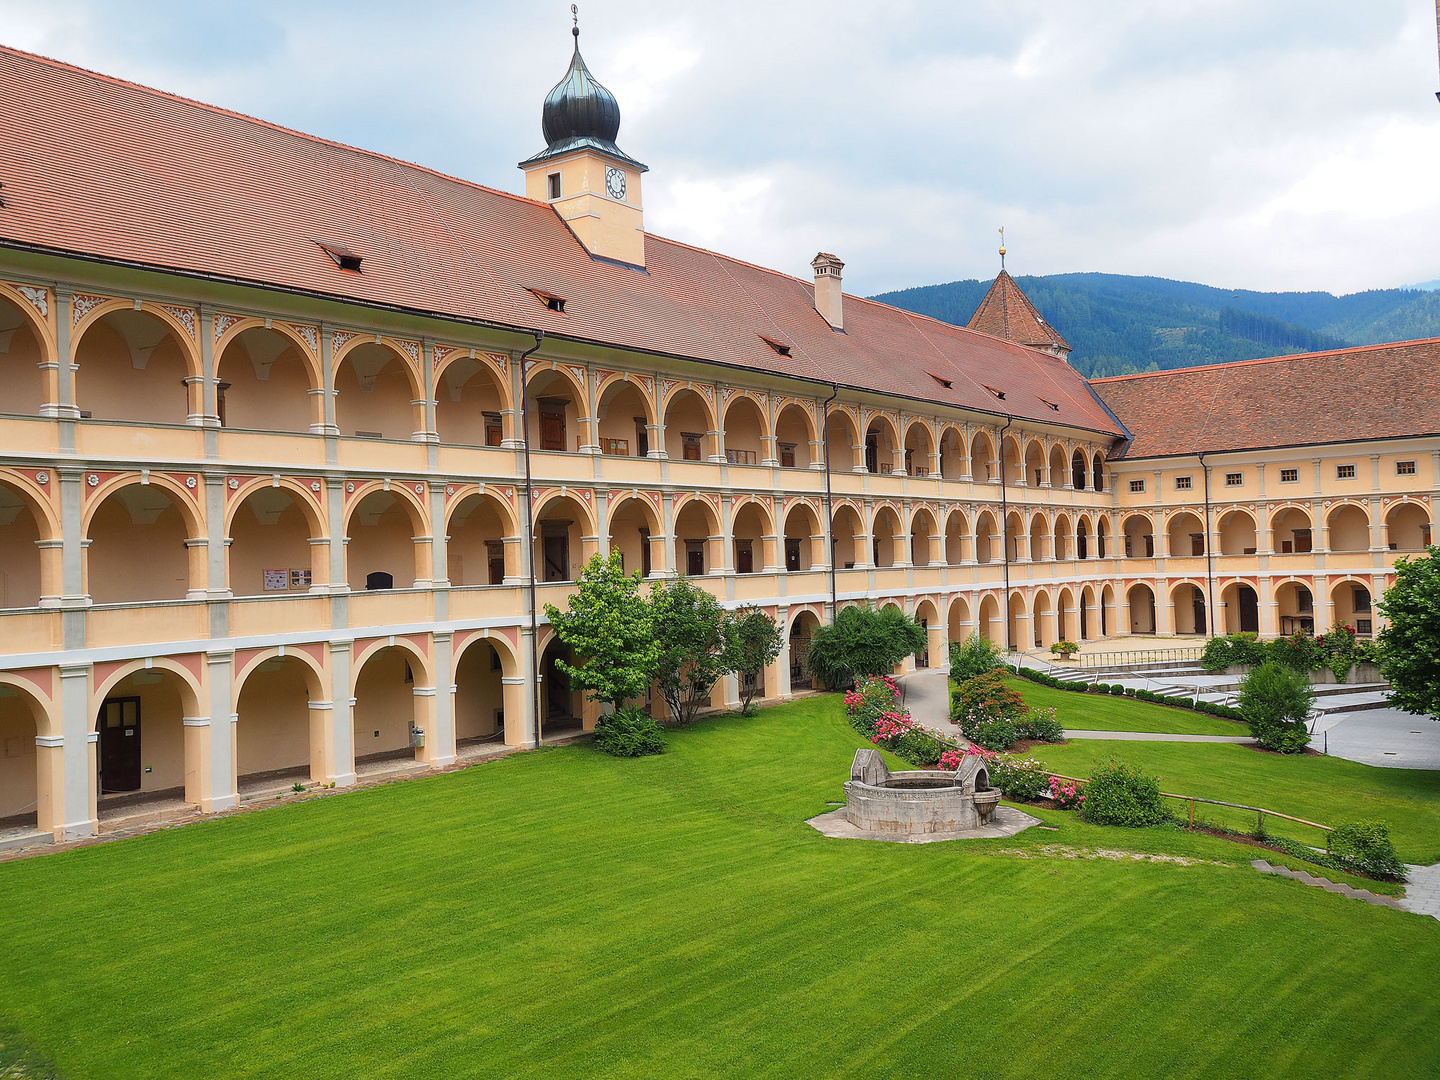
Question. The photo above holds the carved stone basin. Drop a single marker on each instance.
(920, 800)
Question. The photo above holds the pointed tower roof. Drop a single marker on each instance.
(580, 113)
(1006, 312)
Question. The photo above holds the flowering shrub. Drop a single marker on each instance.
(987, 730)
(1118, 795)
(1067, 794)
(1040, 724)
(1064, 648)
(952, 759)
(1022, 779)
(872, 698)
(891, 726)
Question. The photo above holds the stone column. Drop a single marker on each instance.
(76, 799)
(340, 759)
(220, 733)
(441, 750)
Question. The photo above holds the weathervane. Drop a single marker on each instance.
(1002, 247)
(575, 15)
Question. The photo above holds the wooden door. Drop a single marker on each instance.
(552, 431)
(557, 558)
(744, 557)
(792, 556)
(1249, 611)
(120, 745)
(695, 560)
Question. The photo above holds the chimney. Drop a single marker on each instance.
(828, 299)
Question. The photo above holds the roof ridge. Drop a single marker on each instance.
(220, 110)
(1270, 359)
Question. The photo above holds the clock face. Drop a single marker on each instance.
(614, 182)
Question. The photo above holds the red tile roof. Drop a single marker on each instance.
(1366, 392)
(107, 169)
(1006, 312)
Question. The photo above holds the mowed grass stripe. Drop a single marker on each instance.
(564, 913)
(1111, 712)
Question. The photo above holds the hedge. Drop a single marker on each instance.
(1224, 711)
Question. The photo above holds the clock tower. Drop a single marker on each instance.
(589, 180)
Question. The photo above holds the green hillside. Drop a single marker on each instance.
(1119, 324)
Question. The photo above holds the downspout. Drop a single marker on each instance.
(829, 496)
(1209, 557)
(530, 535)
(1005, 533)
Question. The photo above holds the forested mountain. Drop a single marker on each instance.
(1119, 324)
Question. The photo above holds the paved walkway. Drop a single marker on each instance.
(927, 696)
(1422, 892)
(1385, 737)
(1154, 736)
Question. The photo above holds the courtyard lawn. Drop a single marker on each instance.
(1327, 790)
(1108, 712)
(562, 913)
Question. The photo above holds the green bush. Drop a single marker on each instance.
(987, 731)
(629, 732)
(1041, 724)
(1117, 689)
(1118, 795)
(1232, 650)
(1298, 652)
(1275, 701)
(918, 748)
(986, 694)
(863, 641)
(1021, 779)
(1366, 846)
(974, 656)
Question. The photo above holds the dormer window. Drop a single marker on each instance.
(946, 383)
(1050, 405)
(344, 258)
(780, 348)
(550, 300)
(552, 185)
(999, 394)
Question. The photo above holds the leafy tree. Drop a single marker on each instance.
(608, 626)
(1276, 702)
(689, 643)
(862, 641)
(975, 656)
(752, 642)
(1410, 642)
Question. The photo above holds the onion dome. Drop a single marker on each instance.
(579, 113)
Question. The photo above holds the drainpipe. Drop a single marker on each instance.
(1209, 557)
(829, 496)
(530, 534)
(1004, 533)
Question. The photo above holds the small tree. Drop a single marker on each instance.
(975, 656)
(689, 644)
(862, 641)
(1410, 642)
(752, 642)
(609, 628)
(1276, 702)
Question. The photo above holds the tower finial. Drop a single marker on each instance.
(575, 15)
(1002, 247)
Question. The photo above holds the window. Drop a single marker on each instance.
(999, 394)
(614, 447)
(1289, 476)
(551, 302)
(779, 347)
(787, 455)
(1234, 479)
(1362, 601)
(690, 442)
(740, 457)
(1364, 627)
(344, 258)
(1182, 483)
(1137, 485)
(1345, 472)
(552, 185)
(946, 383)
(1404, 468)
(1050, 405)
(494, 429)
(1304, 602)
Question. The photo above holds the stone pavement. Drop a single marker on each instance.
(927, 696)
(1422, 893)
(1385, 737)
(1008, 822)
(1155, 736)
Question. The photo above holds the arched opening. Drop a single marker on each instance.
(1353, 607)
(482, 547)
(375, 394)
(697, 539)
(1042, 622)
(142, 739)
(387, 713)
(1349, 528)
(22, 383)
(1291, 527)
(842, 443)
(1098, 474)
(19, 556)
(753, 537)
(953, 459)
(1296, 608)
(957, 538)
(1020, 635)
(1065, 616)
(1188, 601)
(277, 734)
(989, 625)
(1141, 601)
(1037, 472)
(745, 431)
(1103, 546)
(929, 618)
(1039, 538)
(1056, 477)
(555, 410)
(636, 534)
(1139, 537)
(1089, 615)
(794, 438)
(887, 544)
(623, 416)
(1242, 608)
(1082, 539)
(1186, 536)
(561, 531)
(25, 791)
(1107, 610)
(470, 404)
(561, 706)
(688, 430)
(802, 629)
(847, 550)
(804, 540)
(1408, 526)
(1061, 537)
(984, 464)
(270, 551)
(479, 694)
(880, 440)
(138, 547)
(132, 367)
(265, 384)
(1077, 471)
(917, 450)
(923, 538)
(987, 538)
(958, 626)
(1014, 461)
(1018, 537)
(382, 552)
(1237, 533)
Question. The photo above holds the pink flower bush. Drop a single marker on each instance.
(891, 725)
(1067, 794)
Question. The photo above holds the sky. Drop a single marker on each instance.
(1265, 144)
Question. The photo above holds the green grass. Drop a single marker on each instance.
(1327, 790)
(1107, 712)
(562, 913)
